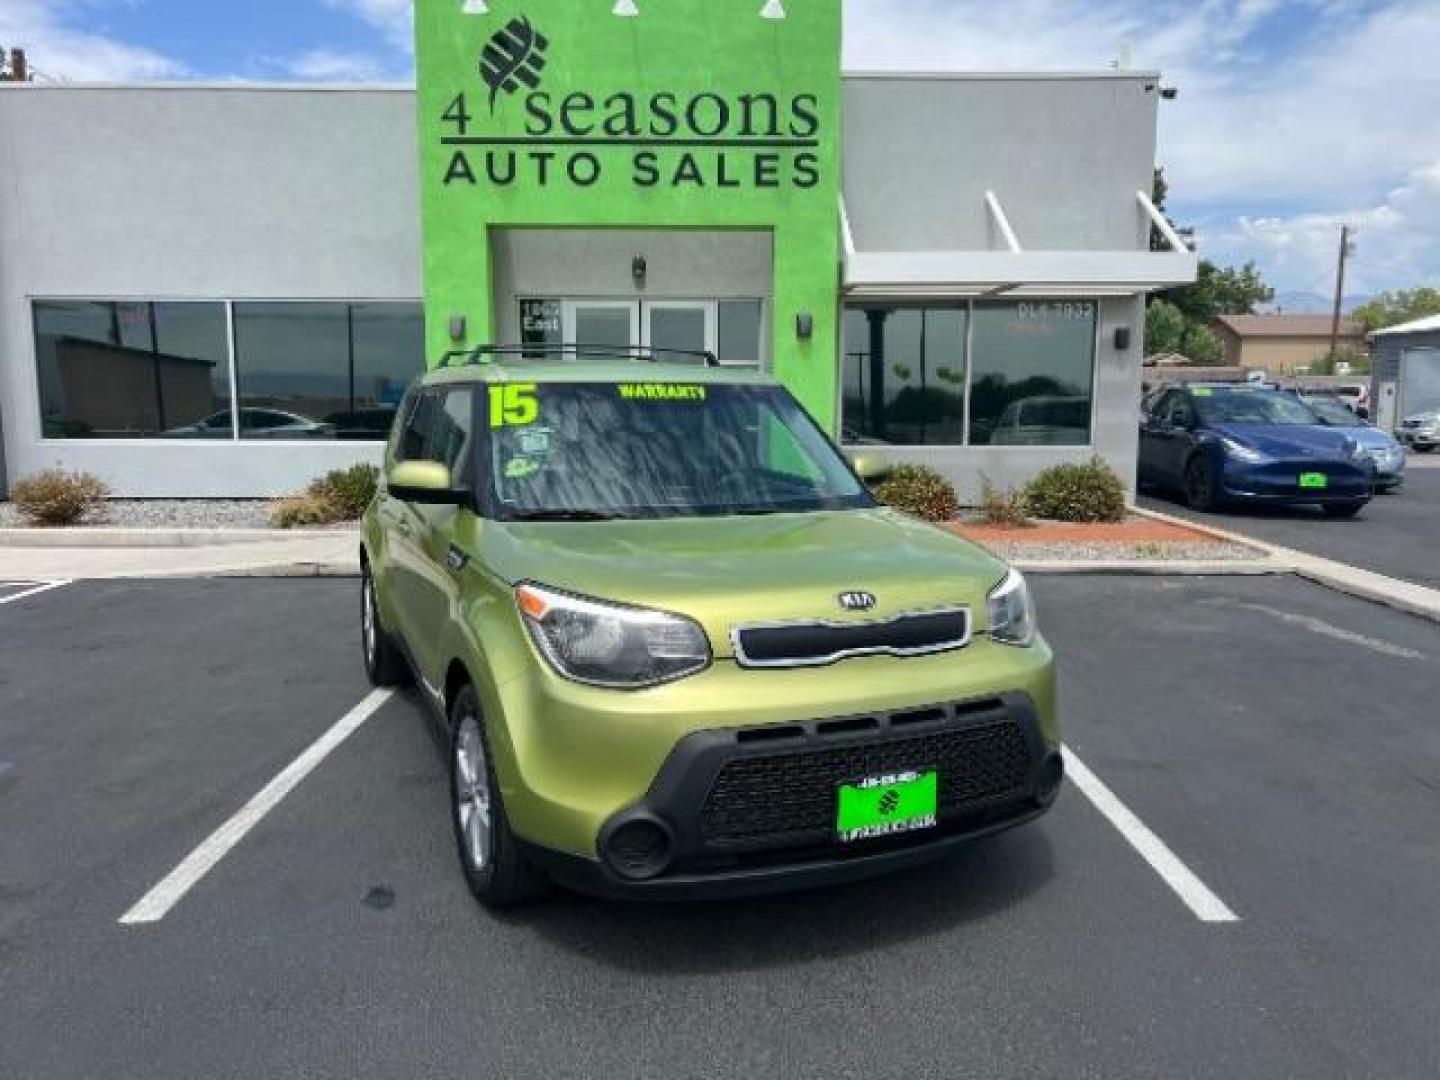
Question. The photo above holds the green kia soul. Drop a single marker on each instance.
(677, 648)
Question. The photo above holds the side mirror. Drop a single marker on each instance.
(870, 469)
(425, 482)
(1362, 412)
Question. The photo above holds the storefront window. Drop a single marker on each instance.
(904, 375)
(325, 370)
(1032, 370)
(739, 331)
(110, 370)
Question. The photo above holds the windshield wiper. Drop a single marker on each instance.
(563, 515)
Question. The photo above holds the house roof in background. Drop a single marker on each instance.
(1415, 326)
(1280, 325)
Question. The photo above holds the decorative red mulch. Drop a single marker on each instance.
(1135, 530)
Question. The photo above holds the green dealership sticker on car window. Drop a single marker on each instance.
(887, 804)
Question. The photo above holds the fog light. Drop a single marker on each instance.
(639, 849)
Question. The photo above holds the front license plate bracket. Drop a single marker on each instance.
(887, 805)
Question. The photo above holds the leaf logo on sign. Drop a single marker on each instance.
(514, 56)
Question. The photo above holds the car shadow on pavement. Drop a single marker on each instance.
(1258, 512)
(984, 877)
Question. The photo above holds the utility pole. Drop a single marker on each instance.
(1346, 250)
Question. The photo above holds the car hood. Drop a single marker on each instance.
(731, 570)
(1290, 440)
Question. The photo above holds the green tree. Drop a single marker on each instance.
(1393, 308)
(1164, 328)
(1221, 291)
(1201, 345)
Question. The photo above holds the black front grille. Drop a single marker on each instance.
(812, 643)
(790, 797)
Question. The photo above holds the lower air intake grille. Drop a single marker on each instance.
(790, 796)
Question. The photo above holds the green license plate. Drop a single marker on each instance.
(1314, 480)
(883, 805)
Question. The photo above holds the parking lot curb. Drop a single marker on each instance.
(105, 537)
(1403, 596)
(1154, 567)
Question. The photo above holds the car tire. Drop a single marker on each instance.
(1343, 509)
(384, 663)
(495, 869)
(1200, 483)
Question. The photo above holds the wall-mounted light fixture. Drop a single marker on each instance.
(626, 9)
(773, 9)
(639, 270)
(1122, 338)
(475, 7)
(457, 328)
(804, 326)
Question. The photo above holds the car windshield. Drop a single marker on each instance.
(1242, 405)
(592, 451)
(1333, 412)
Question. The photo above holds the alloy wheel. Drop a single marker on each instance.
(472, 793)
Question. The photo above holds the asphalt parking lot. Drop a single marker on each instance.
(1279, 738)
(1397, 534)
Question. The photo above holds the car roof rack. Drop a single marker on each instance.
(489, 354)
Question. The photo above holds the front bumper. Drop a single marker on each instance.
(751, 810)
(1279, 481)
(1418, 436)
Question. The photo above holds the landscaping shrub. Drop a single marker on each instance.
(1002, 506)
(57, 497)
(338, 496)
(1086, 493)
(919, 490)
(348, 491)
(302, 510)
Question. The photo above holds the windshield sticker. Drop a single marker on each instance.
(1203, 391)
(535, 442)
(522, 469)
(661, 392)
(513, 405)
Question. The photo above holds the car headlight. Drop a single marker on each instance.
(1011, 611)
(1240, 450)
(624, 648)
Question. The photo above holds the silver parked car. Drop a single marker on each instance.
(1420, 432)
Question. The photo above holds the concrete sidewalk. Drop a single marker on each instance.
(333, 553)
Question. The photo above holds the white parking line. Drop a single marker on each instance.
(156, 904)
(1197, 897)
(36, 591)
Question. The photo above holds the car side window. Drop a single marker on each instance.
(415, 434)
(451, 431)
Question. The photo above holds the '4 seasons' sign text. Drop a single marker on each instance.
(659, 139)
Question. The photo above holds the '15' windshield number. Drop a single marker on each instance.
(514, 405)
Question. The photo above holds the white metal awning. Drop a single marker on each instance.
(1016, 272)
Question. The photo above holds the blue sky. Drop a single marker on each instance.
(1294, 116)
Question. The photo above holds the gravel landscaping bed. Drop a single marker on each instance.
(167, 514)
(1147, 552)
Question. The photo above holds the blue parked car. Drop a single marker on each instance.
(1384, 450)
(1227, 443)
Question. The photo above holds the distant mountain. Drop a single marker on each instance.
(1309, 303)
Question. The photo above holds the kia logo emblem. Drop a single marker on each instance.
(857, 601)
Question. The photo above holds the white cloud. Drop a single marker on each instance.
(392, 17)
(325, 65)
(45, 28)
(1397, 240)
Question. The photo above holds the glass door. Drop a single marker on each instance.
(604, 324)
(678, 330)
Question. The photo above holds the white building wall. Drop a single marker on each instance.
(197, 194)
